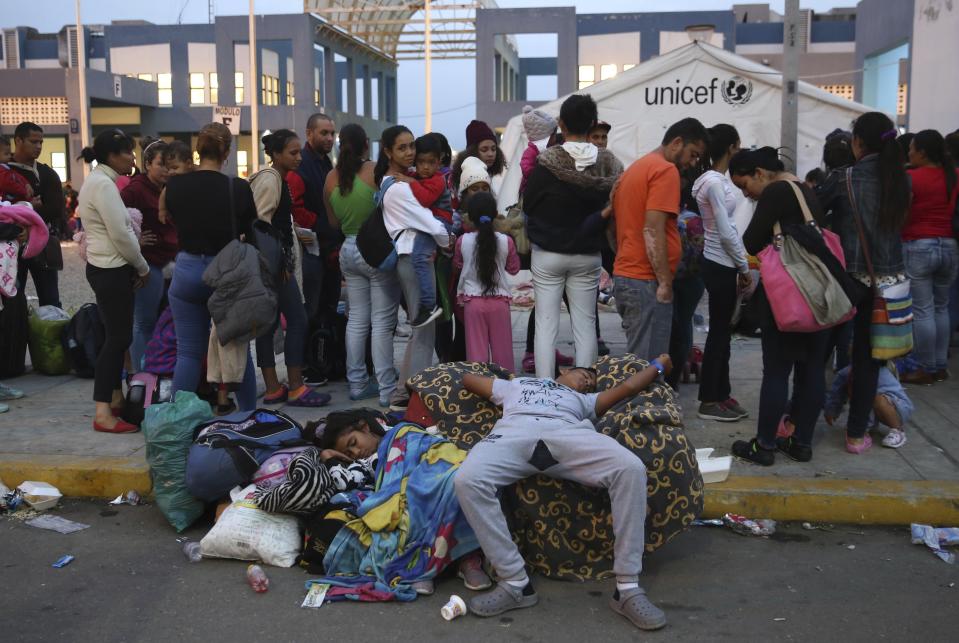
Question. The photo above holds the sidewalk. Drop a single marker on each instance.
(48, 436)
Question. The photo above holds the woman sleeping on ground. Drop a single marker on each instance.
(393, 488)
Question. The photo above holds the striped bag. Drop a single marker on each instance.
(891, 328)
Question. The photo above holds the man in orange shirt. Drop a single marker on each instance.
(646, 207)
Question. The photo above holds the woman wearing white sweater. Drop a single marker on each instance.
(724, 270)
(115, 268)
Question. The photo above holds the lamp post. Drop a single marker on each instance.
(82, 76)
(789, 140)
(254, 97)
(428, 127)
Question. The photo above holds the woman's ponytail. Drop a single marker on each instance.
(877, 135)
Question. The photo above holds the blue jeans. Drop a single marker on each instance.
(648, 321)
(145, 312)
(373, 297)
(931, 266)
(290, 305)
(188, 298)
(424, 247)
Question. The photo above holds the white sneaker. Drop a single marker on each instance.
(894, 439)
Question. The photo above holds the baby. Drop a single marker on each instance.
(431, 190)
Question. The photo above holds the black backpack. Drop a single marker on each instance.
(326, 346)
(83, 338)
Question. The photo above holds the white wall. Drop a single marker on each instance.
(140, 59)
(934, 86)
(202, 57)
(619, 48)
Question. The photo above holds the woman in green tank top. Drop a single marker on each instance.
(372, 295)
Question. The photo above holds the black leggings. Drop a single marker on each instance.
(113, 288)
(721, 282)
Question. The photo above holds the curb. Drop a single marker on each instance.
(866, 502)
(97, 477)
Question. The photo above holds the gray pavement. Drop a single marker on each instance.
(130, 582)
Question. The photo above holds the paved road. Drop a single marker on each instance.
(130, 582)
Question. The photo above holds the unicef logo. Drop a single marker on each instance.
(737, 90)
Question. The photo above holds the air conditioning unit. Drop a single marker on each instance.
(11, 49)
(67, 47)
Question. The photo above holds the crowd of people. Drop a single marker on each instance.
(234, 259)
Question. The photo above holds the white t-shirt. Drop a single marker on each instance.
(543, 398)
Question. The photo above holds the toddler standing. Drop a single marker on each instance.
(484, 258)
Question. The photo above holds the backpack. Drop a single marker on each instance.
(326, 346)
(227, 451)
(376, 246)
(83, 339)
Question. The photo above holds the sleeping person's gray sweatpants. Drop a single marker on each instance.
(516, 450)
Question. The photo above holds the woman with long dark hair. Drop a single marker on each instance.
(484, 257)
(879, 198)
(115, 268)
(403, 216)
(372, 294)
(274, 205)
(724, 271)
(480, 143)
(761, 176)
(930, 253)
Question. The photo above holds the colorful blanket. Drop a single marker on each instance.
(410, 528)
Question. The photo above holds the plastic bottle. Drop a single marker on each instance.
(257, 579)
(192, 551)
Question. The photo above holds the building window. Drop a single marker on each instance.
(238, 84)
(587, 75)
(607, 71)
(290, 94)
(317, 94)
(242, 164)
(58, 161)
(165, 91)
(902, 99)
(628, 66)
(197, 88)
(214, 88)
(146, 77)
(843, 91)
(270, 94)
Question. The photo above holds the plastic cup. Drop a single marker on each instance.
(454, 607)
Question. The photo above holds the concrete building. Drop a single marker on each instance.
(861, 53)
(165, 79)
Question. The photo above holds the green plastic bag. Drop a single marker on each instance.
(168, 429)
(46, 349)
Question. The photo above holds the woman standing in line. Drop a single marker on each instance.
(158, 242)
(761, 176)
(880, 201)
(207, 218)
(929, 252)
(725, 270)
(402, 216)
(274, 206)
(372, 294)
(115, 268)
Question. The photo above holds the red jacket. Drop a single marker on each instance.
(434, 194)
(141, 193)
(301, 215)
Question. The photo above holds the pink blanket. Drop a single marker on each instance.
(24, 216)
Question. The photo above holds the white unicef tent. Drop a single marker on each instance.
(702, 81)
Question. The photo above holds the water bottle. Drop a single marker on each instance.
(192, 551)
(257, 579)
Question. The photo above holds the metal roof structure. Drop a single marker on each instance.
(402, 29)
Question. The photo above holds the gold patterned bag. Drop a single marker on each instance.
(563, 528)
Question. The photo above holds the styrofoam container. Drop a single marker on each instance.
(40, 495)
(713, 469)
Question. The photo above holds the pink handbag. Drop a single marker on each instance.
(790, 308)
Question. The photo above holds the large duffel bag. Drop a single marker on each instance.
(227, 451)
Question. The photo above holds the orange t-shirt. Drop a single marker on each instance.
(650, 183)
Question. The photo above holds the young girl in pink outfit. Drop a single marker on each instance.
(484, 257)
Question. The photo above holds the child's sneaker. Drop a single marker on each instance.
(785, 428)
(529, 363)
(858, 448)
(733, 405)
(895, 439)
(425, 316)
(563, 360)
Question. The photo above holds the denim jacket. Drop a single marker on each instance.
(885, 247)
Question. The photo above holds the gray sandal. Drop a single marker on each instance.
(502, 598)
(634, 605)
